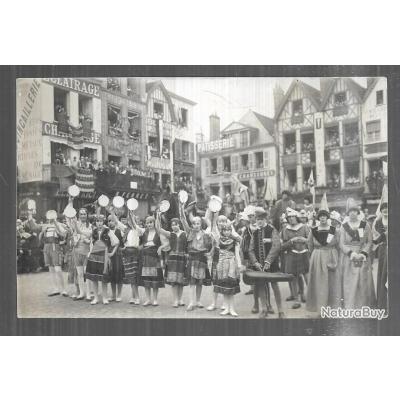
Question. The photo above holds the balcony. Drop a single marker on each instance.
(333, 155)
(340, 109)
(351, 152)
(289, 160)
(297, 119)
(308, 157)
(114, 130)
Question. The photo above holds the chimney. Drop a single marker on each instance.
(279, 94)
(214, 127)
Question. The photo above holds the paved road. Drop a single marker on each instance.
(33, 302)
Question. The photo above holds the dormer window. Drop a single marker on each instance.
(297, 108)
(158, 110)
(340, 98)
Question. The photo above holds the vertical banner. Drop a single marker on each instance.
(29, 131)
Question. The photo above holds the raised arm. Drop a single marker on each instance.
(158, 227)
(183, 219)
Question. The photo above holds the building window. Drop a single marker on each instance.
(165, 180)
(340, 98)
(213, 162)
(307, 142)
(59, 153)
(165, 149)
(114, 120)
(332, 136)
(352, 173)
(290, 143)
(375, 179)
(227, 189)
(227, 164)
(185, 150)
(183, 117)
(297, 107)
(351, 133)
(134, 125)
(333, 176)
(244, 161)
(373, 131)
(158, 110)
(130, 87)
(291, 179)
(379, 97)
(259, 157)
(60, 110)
(244, 139)
(214, 190)
(154, 147)
(114, 160)
(260, 184)
(134, 164)
(114, 84)
(86, 114)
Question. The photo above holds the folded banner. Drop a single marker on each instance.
(85, 180)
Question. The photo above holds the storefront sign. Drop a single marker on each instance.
(256, 174)
(159, 163)
(216, 145)
(76, 85)
(51, 129)
(29, 131)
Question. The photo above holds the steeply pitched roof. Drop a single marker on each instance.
(314, 95)
(356, 89)
(236, 125)
(370, 88)
(176, 96)
(267, 123)
(150, 86)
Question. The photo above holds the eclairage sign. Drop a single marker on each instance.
(216, 145)
(76, 85)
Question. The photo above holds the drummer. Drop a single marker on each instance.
(263, 253)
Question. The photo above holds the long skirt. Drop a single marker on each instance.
(358, 284)
(116, 272)
(97, 269)
(296, 263)
(176, 269)
(382, 277)
(324, 288)
(226, 275)
(198, 271)
(130, 261)
(152, 274)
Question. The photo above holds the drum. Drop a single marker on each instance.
(132, 204)
(118, 201)
(269, 276)
(103, 201)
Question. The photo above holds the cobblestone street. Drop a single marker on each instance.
(33, 302)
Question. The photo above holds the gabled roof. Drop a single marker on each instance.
(183, 99)
(151, 86)
(236, 126)
(355, 88)
(267, 123)
(314, 95)
(370, 88)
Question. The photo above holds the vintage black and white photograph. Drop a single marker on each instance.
(202, 197)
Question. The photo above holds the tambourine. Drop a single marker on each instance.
(249, 210)
(69, 212)
(269, 276)
(73, 191)
(132, 204)
(183, 196)
(164, 206)
(214, 205)
(31, 205)
(103, 201)
(118, 202)
(51, 214)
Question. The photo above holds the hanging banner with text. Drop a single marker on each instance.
(29, 131)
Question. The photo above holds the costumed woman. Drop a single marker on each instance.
(104, 245)
(324, 279)
(199, 244)
(380, 231)
(296, 256)
(355, 242)
(152, 273)
(176, 260)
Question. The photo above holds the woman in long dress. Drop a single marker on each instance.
(176, 260)
(380, 229)
(324, 280)
(355, 243)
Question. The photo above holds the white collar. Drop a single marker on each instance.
(294, 228)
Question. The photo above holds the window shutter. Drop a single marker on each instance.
(191, 152)
(251, 161)
(266, 159)
(207, 166)
(219, 164)
(178, 149)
